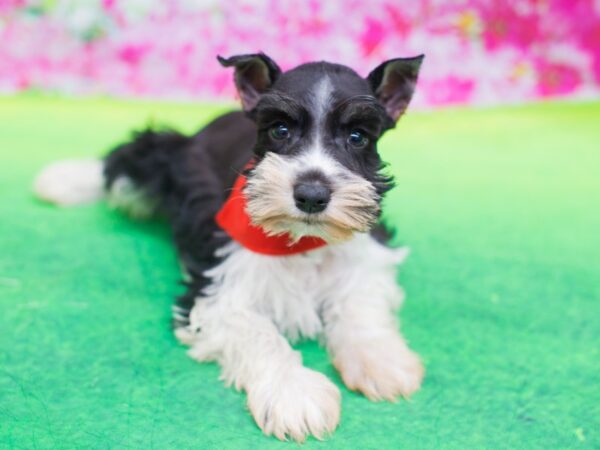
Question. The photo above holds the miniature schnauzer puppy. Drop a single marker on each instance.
(275, 213)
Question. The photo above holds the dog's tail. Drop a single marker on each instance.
(71, 182)
(138, 177)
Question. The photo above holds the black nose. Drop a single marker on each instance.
(311, 197)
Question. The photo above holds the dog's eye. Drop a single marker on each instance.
(280, 131)
(357, 139)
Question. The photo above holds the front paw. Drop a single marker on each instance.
(380, 368)
(295, 403)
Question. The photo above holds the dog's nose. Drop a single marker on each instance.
(311, 197)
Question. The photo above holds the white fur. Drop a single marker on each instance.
(71, 182)
(346, 293)
(361, 329)
(321, 98)
(353, 205)
(125, 196)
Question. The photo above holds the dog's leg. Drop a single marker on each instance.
(361, 328)
(285, 398)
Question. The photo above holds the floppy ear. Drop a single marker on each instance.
(254, 74)
(393, 83)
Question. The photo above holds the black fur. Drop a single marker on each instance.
(290, 101)
(190, 177)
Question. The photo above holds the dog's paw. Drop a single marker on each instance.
(298, 403)
(380, 368)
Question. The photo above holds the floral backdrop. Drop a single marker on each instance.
(478, 51)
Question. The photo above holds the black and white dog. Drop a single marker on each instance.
(275, 214)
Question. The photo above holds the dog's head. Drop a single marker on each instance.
(317, 171)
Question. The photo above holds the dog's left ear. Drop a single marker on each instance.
(254, 74)
(393, 83)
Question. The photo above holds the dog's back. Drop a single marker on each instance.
(167, 173)
(174, 169)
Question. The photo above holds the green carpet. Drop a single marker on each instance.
(501, 208)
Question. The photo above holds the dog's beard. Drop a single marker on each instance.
(354, 205)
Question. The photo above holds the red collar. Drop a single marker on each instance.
(234, 219)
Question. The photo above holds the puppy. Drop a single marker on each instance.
(275, 212)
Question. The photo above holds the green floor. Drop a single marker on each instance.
(502, 211)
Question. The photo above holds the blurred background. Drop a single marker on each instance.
(497, 165)
(478, 51)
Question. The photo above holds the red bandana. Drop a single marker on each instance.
(234, 219)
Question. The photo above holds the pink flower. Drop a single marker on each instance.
(588, 37)
(556, 78)
(449, 90)
(400, 22)
(503, 25)
(168, 48)
(7, 5)
(132, 53)
(373, 34)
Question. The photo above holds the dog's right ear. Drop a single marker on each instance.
(254, 74)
